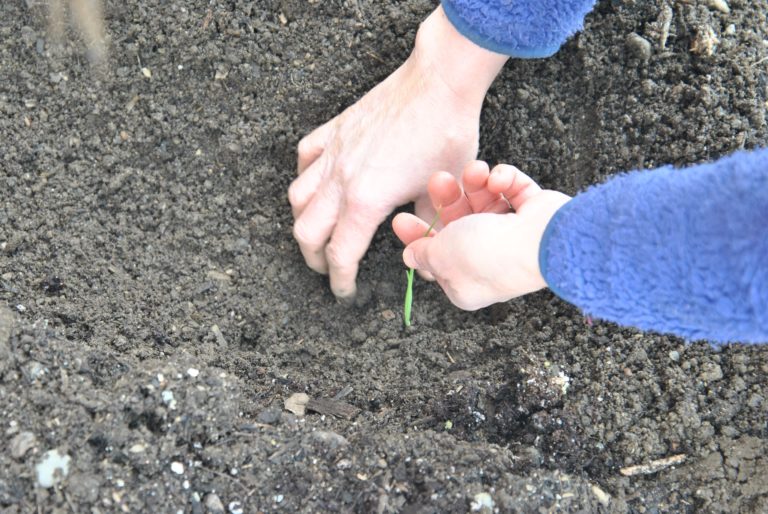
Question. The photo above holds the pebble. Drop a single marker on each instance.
(192, 372)
(22, 443)
(235, 508)
(639, 46)
(602, 497)
(483, 503)
(330, 440)
(168, 399)
(177, 467)
(720, 5)
(711, 373)
(269, 416)
(213, 504)
(297, 403)
(674, 355)
(52, 469)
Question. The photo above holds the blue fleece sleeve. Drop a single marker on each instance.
(683, 251)
(518, 28)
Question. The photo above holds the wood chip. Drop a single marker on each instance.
(333, 408)
(654, 466)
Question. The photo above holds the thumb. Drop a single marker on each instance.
(415, 254)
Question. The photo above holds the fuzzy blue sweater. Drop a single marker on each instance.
(673, 250)
(518, 28)
(680, 251)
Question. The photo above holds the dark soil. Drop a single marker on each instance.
(145, 234)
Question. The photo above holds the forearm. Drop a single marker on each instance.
(680, 251)
(524, 28)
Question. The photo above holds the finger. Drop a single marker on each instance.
(516, 186)
(312, 145)
(446, 196)
(303, 188)
(475, 182)
(313, 228)
(351, 238)
(416, 255)
(408, 228)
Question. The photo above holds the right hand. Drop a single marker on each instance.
(379, 153)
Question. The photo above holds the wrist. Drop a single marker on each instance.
(466, 68)
(555, 209)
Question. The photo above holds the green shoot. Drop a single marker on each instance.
(408, 302)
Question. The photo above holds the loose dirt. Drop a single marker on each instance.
(156, 313)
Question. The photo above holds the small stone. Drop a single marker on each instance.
(297, 403)
(711, 372)
(146, 72)
(330, 440)
(720, 5)
(192, 372)
(483, 503)
(177, 467)
(168, 399)
(235, 508)
(213, 504)
(674, 355)
(388, 315)
(602, 497)
(269, 416)
(52, 469)
(22, 443)
(639, 46)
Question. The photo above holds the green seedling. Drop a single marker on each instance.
(408, 302)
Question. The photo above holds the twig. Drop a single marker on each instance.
(654, 466)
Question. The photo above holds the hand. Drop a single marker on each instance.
(378, 154)
(489, 250)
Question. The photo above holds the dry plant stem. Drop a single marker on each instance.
(408, 302)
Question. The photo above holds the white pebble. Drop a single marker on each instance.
(177, 467)
(52, 469)
(168, 399)
(192, 372)
(720, 5)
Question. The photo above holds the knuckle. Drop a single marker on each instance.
(295, 194)
(305, 147)
(303, 233)
(336, 256)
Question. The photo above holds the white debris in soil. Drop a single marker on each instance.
(482, 502)
(52, 469)
(168, 399)
(177, 467)
(602, 497)
(192, 372)
(564, 381)
(235, 508)
(297, 403)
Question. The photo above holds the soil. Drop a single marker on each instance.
(156, 313)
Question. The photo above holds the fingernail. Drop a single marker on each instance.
(409, 258)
